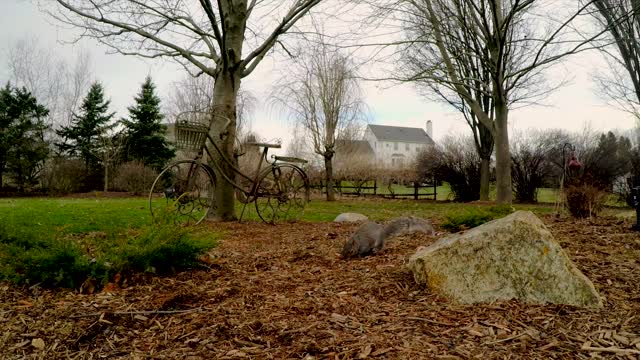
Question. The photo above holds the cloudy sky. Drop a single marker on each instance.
(569, 108)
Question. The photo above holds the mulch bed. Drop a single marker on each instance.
(282, 292)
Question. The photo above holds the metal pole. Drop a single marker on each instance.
(635, 192)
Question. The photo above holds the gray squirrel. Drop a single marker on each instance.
(369, 238)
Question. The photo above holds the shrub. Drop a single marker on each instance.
(531, 165)
(134, 177)
(63, 176)
(456, 162)
(29, 258)
(159, 249)
(39, 258)
(584, 200)
(472, 217)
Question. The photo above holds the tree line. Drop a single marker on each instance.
(78, 156)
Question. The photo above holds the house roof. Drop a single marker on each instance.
(354, 147)
(399, 133)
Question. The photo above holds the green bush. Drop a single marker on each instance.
(29, 258)
(474, 216)
(160, 249)
(41, 258)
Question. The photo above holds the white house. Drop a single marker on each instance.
(395, 146)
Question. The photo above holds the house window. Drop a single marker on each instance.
(395, 145)
(375, 145)
(387, 144)
(406, 147)
(397, 160)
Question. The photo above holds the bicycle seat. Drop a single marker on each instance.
(289, 159)
(275, 146)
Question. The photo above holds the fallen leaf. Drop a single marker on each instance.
(365, 352)
(141, 317)
(38, 343)
(236, 353)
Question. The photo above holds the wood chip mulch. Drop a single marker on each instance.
(282, 292)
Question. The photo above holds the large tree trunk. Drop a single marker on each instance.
(328, 171)
(503, 156)
(225, 92)
(484, 178)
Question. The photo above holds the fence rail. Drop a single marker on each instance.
(372, 188)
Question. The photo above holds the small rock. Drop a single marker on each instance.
(350, 217)
(38, 343)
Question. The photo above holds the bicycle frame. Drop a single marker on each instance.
(218, 170)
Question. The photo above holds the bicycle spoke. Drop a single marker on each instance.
(187, 188)
(283, 194)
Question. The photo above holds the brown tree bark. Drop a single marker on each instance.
(225, 95)
(484, 178)
(224, 101)
(328, 166)
(503, 156)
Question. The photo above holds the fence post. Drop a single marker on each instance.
(435, 191)
(375, 187)
(415, 190)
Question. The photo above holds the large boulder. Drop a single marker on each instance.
(350, 217)
(515, 257)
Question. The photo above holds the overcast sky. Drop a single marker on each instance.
(568, 108)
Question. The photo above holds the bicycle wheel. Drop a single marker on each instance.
(282, 194)
(182, 193)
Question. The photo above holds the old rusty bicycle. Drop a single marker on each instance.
(185, 189)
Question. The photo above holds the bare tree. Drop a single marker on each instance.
(621, 18)
(532, 164)
(196, 94)
(299, 146)
(54, 81)
(418, 57)
(225, 40)
(323, 96)
(491, 54)
(111, 146)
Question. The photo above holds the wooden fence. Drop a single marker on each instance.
(390, 191)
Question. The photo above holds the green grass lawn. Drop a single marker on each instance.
(81, 216)
(74, 216)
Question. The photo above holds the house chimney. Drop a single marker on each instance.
(430, 129)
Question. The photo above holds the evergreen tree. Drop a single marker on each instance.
(145, 133)
(22, 145)
(82, 138)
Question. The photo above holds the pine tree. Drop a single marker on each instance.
(22, 145)
(145, 133)
(82, 138)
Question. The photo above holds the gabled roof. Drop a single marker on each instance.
(399, 133)
(353, 147)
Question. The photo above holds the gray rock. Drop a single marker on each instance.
(515, 257)
(350, 217)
